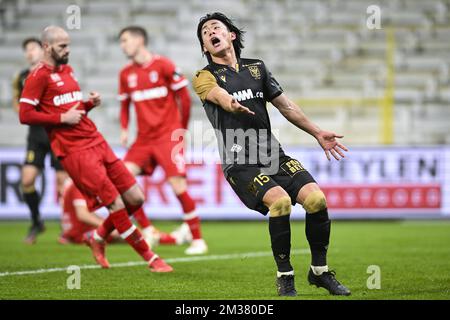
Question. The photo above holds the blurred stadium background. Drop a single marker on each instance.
(387, 90)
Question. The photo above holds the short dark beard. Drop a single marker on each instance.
(59, 60)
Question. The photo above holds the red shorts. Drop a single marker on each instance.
(148, 155)
(99, 175)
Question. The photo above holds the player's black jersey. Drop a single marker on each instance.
(243, 138)
(35, 133)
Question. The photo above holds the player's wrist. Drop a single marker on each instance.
(316, 133)
(88, 105)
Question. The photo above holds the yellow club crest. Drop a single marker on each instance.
(254, 71)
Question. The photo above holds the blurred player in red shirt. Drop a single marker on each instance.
(52, 98)
(162, 103)
(76, 219)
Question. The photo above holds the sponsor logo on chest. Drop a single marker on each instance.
(254, 71)
(68, 98)
(247, 94)
(149, 94)
(132, 80)
(56, 78)
(153, 76)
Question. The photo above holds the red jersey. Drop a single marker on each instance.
(151, 87)
(72, 227)
(52, 91)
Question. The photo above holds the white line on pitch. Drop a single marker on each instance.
(170, 260)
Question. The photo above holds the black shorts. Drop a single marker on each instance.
(250, 182)
(37, 149)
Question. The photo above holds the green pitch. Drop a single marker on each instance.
(413, 258)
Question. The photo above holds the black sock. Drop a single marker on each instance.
(280, 236)
(317, 230)
(32, 199)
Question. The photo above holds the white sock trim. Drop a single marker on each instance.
(289, 273)
(97, 237)
(189, 216)
(148, 229)
(318, 270)
(155, 256)
(127, 233)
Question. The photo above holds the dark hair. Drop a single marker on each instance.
(30, 40)
(136, 30)
(237, 43)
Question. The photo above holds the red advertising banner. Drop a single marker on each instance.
(369, 183)
(427, 196)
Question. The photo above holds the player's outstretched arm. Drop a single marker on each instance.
(227, 102)
(295, 115)
(206, 87)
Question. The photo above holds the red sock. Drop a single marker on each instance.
(138, 243)
(186, 202)
(190, 217)
(194, 226)
(110, 239)
(106, 227)
(141, 218)
(131, 234)
(166, 238)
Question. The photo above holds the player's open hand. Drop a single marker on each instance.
(236, 107)
(94, 97)
(329, 144)
(73, 115)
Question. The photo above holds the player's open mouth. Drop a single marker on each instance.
(215, 41)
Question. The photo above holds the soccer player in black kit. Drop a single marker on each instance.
(234, 92)
(38, 146)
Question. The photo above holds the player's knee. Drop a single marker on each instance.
(136, 198)
(140, 199)
(116, 205)
(28, 177)
(28, 188)
(315, 202)
(281, 207)
(178, 184)
(27, 184)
